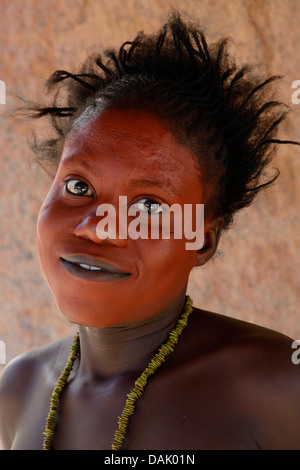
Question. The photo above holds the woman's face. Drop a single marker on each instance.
(108, 281)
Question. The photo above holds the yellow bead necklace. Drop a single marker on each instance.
(137, 391)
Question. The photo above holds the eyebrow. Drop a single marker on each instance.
(92, 170)
(151, 183)
(132, 183)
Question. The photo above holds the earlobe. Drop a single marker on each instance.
(211, 240)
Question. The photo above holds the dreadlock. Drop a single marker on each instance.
(208, 101)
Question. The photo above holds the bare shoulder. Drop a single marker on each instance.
(266, 355)
(243, 341)
(259, 370)
(22, 376)
(24, 367)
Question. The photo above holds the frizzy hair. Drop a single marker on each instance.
(208, 101)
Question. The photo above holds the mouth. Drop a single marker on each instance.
(92, 269)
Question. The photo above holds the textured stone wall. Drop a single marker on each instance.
(256, 273)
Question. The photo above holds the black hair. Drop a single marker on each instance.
(220, 110)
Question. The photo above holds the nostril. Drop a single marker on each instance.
(86, 228)
(99, 231)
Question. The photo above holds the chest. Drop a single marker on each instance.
(172, 414)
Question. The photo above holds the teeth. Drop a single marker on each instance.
(91, 268)
(95, 268)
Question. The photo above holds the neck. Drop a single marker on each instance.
(127, 348)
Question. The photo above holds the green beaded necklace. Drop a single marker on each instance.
(137, 391)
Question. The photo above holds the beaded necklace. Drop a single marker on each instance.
(137, 391)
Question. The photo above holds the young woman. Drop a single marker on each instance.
(165, 120)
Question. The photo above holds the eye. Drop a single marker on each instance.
(148, 205)
(77, 187)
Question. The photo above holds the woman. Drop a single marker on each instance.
(167, 120)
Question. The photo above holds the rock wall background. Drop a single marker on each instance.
(256, 273)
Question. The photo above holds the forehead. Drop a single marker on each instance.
(135, 141)
(135, 129)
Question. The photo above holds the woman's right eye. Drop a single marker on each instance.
(77, 187)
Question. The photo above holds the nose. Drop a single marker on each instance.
(100, 230)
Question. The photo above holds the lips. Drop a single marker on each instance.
(89, 268)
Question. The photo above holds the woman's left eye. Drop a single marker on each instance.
(77, 187)
(149, 206)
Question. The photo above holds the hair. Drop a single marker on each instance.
(221, 111)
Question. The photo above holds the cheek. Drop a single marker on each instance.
(43, 236)
(166, 262)
(53, 217)
(46, 220)
(51, 224)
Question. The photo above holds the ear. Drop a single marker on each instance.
(212, 236)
